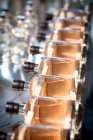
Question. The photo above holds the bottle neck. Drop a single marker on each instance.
(20, 24)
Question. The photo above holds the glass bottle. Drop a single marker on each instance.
(31, 21)
(64, 108)
(65, 49)
(44, 85)
(4, 41)
(20, 42)
(8, 20)
(48, 116)
(32, 132)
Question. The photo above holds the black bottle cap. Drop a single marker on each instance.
(34, 50)
(41, 36)
(18, 85)
(3, 135)
(28, 66)
(12, 107)
(48, 16)
(44, 25)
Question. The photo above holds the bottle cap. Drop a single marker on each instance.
(48, 16)
(28, 66)
(21, 17)
(34, 50)
(18, 85)
(41, 36)
(44, 25)
(12, 107)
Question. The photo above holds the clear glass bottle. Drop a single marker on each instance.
(44, 85)
(48, 107)
(66, 34)
(67, 116)
(31, 21)
(48, 85)
(4, 41)
(32, 132)
(20, 42)
(65, 49)
(8, 20)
